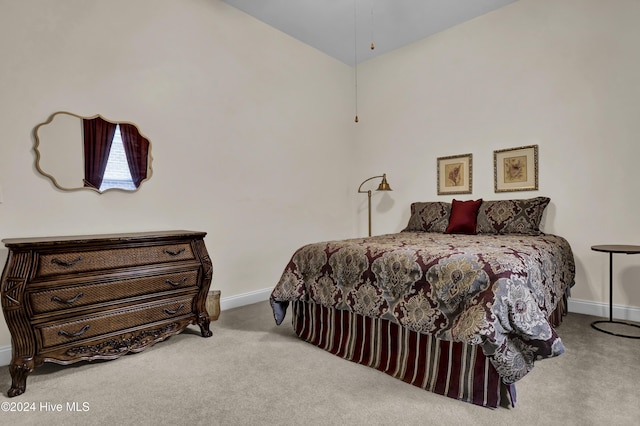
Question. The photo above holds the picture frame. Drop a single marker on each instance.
(455, 174)
(516, 169)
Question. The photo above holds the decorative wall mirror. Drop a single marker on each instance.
(94, 153)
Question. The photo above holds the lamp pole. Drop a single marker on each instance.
(369, 209)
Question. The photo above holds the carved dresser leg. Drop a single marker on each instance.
(19, 373)
(203, 322)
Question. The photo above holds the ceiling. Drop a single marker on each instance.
(336, 26)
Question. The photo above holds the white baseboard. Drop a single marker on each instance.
(5, 355)
(628, 313)
(244, 299)
(620, 312)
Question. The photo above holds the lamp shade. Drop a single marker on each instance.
(384, 185)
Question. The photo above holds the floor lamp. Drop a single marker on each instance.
(384, 186)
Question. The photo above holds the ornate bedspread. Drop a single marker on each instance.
(495, 291)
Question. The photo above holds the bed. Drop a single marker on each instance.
(462, 302)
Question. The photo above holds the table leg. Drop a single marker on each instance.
(611, 321)
(610, 286)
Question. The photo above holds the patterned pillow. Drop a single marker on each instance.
(511, 216)
(429, 217)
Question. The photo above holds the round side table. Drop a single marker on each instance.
(611, 249)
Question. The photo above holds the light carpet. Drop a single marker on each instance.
(252, 372)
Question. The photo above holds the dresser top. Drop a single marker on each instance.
(123, 237)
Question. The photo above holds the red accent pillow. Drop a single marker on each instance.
(462, 219)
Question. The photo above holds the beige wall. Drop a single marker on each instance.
(253, 134)
(250, 128)
(562, 74)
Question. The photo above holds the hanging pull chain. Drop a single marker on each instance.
(373, 46)
(355, 54)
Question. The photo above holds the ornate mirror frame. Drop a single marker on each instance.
(40, 133)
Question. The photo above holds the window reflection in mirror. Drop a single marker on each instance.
(78, 152)
(117, 173)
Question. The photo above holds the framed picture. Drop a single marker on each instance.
(516, 169)
(454, 174)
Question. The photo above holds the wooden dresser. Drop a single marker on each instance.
(67, 299)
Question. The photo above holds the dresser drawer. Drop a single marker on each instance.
(85, 261)
(65, 297)
(112, 321)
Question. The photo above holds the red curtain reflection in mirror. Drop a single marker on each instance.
(136, 147)
(98, 135)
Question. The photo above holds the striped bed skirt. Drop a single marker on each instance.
(452, 369)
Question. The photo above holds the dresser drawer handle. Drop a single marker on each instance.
(66, 264)
(177, 283)
(173, 253)
(69, 301)
(170, 312)
(79, 333)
